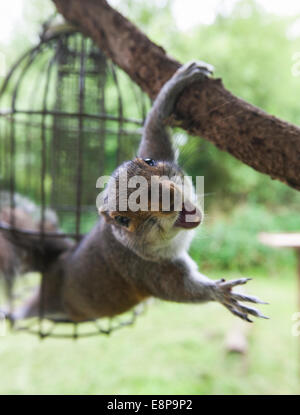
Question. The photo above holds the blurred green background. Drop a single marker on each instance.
(180, 348)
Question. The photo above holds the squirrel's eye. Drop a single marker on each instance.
(151, 162)
(122, 220)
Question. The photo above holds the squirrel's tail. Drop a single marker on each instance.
(26, 252)
(22, 252)
(32, 251)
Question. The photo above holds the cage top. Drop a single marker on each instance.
(60, 44)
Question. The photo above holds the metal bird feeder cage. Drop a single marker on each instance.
(67, 116)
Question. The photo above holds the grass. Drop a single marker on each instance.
(172, 349)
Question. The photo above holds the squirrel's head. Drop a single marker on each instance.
(150, 206)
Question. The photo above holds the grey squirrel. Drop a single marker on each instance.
(130, 256)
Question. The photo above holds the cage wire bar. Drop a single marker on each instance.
(67, 116)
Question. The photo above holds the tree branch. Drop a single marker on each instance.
(264, 142)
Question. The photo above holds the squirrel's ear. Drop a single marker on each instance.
(104, 212)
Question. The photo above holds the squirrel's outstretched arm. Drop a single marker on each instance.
(180, 281)
(156, 143)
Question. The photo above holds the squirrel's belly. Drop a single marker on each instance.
(100, 297)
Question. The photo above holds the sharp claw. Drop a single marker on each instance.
(248, 298)
(233, 283)
(250, 310)
(231, 299)
(238, 313)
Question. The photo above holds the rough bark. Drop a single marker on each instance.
(262, 141)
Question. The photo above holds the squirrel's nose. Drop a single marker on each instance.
(170, 197)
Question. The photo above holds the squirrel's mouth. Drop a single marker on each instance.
(188, 219)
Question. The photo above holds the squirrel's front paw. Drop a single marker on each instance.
(231, 300)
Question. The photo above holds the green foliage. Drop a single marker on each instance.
(231, 241)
